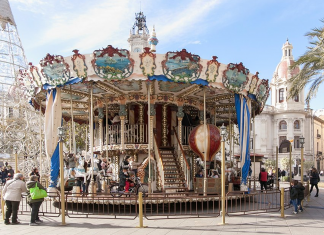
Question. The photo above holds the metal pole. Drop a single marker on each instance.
(282, 202)
(223, 179)
(107, 129)
(16, 160)
(254, 148)
(62, 181)
(302, 165)
(205, 144)
(91, 134)
(40, 144)
(277, 179)
(72, 126)
(149, 135)
(290, 173)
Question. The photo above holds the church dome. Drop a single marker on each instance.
(283, 70)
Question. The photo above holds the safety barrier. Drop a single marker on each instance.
(241, 203)
(163, 205)
(177, 205)
(101, 206)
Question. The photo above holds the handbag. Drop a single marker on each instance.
(37, 193)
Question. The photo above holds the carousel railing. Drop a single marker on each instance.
(159, 162)
(133, 134)
(185, 134)
(182, 159)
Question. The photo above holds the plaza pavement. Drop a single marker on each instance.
(311, 221)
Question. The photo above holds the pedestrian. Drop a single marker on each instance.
(4, 175)
(294, 195)
(34, 203)
(314, 179)
(11, 171)
(12, 195)
(301, 195)
(34, 172)
(263, 178)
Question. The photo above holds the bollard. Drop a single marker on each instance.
(2, 208)
(140, 210)
(282, 202)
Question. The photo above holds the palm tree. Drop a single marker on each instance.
(313, 65)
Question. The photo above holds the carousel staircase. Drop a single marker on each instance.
(174, 180)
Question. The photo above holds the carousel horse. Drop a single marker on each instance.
(141, 168)
(80, 167)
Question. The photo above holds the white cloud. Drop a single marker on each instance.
(194, 42)
(91, 26)
(176, 22)
(34, 6)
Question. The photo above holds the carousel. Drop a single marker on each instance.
(164, 110)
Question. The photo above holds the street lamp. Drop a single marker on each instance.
(16, 158)
(61, 138)
(223, 134)
(302, 142)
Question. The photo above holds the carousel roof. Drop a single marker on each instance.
(117, 76)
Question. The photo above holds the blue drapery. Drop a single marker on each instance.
(55, 159)
(244, 119)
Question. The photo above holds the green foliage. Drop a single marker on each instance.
(284, 162)
(313, 66)
(270, 164)
(80, 135)
(308, 165)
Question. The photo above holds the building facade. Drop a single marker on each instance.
(286, 118)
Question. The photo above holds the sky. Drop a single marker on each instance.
(248, 31)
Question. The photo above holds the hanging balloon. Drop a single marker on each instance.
(197, 141)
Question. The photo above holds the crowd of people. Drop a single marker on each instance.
(6, 173)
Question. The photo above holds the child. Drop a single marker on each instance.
(294, 195)
(124, 180)
(301, 196)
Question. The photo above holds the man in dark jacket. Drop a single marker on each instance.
(314, 179)
(301, 195)
(34, 203)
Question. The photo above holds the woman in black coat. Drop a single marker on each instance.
(314, 179)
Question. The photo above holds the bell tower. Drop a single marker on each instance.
(139, 34)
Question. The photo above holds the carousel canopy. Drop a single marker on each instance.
(117, 76)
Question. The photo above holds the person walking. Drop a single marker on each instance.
(34, 203)
(294, 195)
(301, 195)
(12, 195)
(314, 179)
(263, 178)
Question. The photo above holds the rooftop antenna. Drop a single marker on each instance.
(140, 6)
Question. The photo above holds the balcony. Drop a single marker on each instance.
(319, 136)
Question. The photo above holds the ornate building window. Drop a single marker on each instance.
(296, 98)
(281, 95)
(296, 142)
(296, 125)
(283, 125)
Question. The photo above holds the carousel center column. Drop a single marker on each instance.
(180, 115)
(122, 115)
(164, 125)
(100, 117)
(141, 123)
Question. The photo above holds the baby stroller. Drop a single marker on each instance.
(270, 182)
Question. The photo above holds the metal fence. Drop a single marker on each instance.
(240, 203)
(177, 205)
(162, 205)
